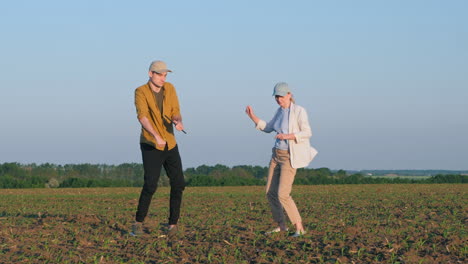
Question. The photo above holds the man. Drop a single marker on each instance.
(158, 110)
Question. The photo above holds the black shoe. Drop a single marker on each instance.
(172, 231)
(137, 229)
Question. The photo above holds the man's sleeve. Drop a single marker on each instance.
(140, 104)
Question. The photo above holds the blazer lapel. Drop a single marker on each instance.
(292, 117)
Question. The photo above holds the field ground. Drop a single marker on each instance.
(346, 224)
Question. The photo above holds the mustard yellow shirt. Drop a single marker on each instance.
(145, 103)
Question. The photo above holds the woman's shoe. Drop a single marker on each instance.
(299, 233)
(276, 230)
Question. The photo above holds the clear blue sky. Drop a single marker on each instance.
(385, 83)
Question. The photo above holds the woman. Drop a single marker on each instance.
(291, 150)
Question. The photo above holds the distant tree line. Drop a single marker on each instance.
(409, 172)
(15, 175)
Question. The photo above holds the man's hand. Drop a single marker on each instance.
(178, 125)
(160, 142)
(177, 120)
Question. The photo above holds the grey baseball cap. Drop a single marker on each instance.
(159, 67)
(281, 89)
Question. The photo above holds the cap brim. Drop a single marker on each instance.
(279, 94)
(163, 71)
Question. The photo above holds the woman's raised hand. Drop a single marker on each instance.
(249, 111)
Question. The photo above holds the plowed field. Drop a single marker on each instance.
(345, 224)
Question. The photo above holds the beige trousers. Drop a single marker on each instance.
(279, 184)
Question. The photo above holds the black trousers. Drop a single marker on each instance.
(153, 161)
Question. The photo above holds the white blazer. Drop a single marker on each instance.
(301, 153)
